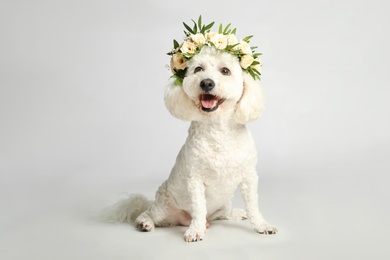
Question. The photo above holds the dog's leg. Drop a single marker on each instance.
(144, 222)
(162, 213)
(197, 227)
(249, 193)
(159, 214)
(155, 216)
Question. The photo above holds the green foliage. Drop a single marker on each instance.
(199, 27)
(175, 44)
(246, 39)
(225, 30)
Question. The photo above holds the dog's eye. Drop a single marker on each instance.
(225, 71)
(198, 69)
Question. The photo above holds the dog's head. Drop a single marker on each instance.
(214, 86)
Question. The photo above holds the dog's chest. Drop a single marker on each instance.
(220, 149)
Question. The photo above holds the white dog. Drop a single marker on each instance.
(219, 155)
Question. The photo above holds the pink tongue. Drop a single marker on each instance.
(209, 103)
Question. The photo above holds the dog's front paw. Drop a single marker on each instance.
(193, 236)
(266, 229)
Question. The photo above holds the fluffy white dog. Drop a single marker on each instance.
(219, 155)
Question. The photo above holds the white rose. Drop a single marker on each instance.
(210, 35)
(188, 47)
(220, 41)
(245, 48)
(246, 61)
(177, 62)
(231, 39)
(198, 39)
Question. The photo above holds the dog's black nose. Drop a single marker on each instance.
(207, 84)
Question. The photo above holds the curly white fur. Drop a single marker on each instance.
(218, 156)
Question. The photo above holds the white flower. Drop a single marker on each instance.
(188, 47)
(246, 61)
(231, 39)
(220, 41)
(198, 39)
(245, 48)
(210, 35)
(177, 63)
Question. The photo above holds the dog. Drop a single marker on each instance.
(219, 154)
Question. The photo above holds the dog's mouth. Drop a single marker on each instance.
(209, 102)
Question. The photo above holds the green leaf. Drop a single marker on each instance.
(212, 44)
(178, 82)
(175, 44)
(229, 47)
(226, 28)
(255, 55)
(188, 28)
(246, 39)
(179, 76)
(200, 22)
(255, 63)
(220, 29)
(208, 27)
(234, 31)
(195, 29)
(256, 71)
(252, 73)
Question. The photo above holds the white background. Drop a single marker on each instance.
(82, 119)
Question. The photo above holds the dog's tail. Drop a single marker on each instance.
(125, 210)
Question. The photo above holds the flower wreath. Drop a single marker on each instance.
(225, 40)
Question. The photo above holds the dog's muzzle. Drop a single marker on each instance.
(209, 102)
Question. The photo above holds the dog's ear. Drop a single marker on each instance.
(179, 104)
(251, 104)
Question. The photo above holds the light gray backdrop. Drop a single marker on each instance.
(82, 119)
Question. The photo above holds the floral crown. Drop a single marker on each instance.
(225, 40)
